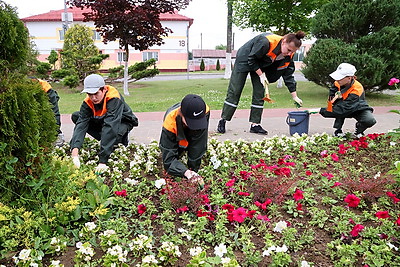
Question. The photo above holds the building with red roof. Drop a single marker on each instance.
(47, 32)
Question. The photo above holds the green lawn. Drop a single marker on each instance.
(159, 95)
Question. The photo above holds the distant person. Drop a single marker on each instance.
(267, 57)
(53, 98)
(185, 128)
(104, 115)
(347, 100)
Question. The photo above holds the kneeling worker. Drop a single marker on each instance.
(105, 116)
(185, 128)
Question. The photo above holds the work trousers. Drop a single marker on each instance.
(364, 119)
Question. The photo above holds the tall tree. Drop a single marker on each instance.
(228, 61)
(280, 17)
(134, 23)
(363, 33)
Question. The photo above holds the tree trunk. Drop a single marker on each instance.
(126, 91)
(228, 60)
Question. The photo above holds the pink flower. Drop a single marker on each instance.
(263, 205)
(356, 230)
(393, 81)
(263, 218)
(336, 184)
(335, 157)
(328, 175)
(182, 210)
(244, 194)
(121, 193)
(382, 214)
(298, 195)
(324, 153)
(239, 214)
(393, 197)
(352, 200)
(231, 182)
(141, 209)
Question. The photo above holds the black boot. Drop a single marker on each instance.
(258, 129)
(221, 126)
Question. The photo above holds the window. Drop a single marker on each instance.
(96, 35)
(61, 34)
(150, 55)
(299, 55)
(121, 56)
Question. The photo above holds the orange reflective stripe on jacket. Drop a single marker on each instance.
(356, 89)
(273, 43)
(111, 93)
(170, 124)
(45, 85)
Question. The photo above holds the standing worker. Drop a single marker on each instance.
(185, 128)
(53, 98)
(347, 100)
(267, 57)
(104, 115)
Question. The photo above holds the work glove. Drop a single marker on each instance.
(194, 177)
(263, 79)
(76, 161)
(313, 110)
(101, 168)
(298, 101)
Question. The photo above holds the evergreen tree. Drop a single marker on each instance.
(363, 33)
(202, 65)
(218, 66)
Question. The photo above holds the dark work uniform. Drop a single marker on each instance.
(53, 99)
(261, 52)
(109, 122)
(177, 138)
(351, 105)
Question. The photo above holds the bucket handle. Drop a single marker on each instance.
(294, 124)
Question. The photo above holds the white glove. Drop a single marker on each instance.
(298, 101)
(76, 161)
(101, 168)
(194, 177)
(313, 110)
(263, 79)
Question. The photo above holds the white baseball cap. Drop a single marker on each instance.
(343, 70)
(92, 83)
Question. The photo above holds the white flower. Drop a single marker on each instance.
(108, 233)
(305, 264)
(220, 250)
(195, 251)
(282, 249)
(377, 175)
(131, 181)
(266, 253)
(225, 260)
(392, 143)
(160, 183)
(24, 254)
(149, 259)
(392, 246)
(79, 245)
(54, 240)
(56, 264)
(34, 264)
(397, 164)
(90, 226)
(280, 226)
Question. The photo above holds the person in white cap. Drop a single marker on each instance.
(347, 98)
(185, 128)
(104, 115)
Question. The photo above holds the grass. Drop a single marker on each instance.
(159, 95)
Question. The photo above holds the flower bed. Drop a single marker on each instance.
(284, 201)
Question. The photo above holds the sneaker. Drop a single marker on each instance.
(258, 129)
(339, 133)
(60, 140)
(221, 126)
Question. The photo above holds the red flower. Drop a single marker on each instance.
(244, 194)
(328, 175)
(299, 206)
(154, 216)
(121, 193)
(209, 215)
(356, 230)
(205, 198)
(336, 184)
(298, 194)
(343, 149)
(393, 197)
(239, 214)
(245, 175)
(263, 218)
(335, 157)
(182, 210)
(141, 209)
(263, 205)
(231, 182)
(351, 221)
(308, 172)
(352, 200)
(397, 221)
(382, 214)
(301, 148)
(228, 207)
(251, 213)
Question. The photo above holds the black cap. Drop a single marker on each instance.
(194, 110)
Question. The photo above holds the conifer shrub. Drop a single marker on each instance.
(27, 132)
(218, 66)
(202, 65)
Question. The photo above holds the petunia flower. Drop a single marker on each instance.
(239, 214)
(182, 210)
(220, 250)
(231, 182)
(299, 206)
(263, 218)
(298, 195)
(328, 175)
(397, 222)
(121, 193)
(352, 200)
(393, 197)
(393, 81)
(228, 207)
(264, 205)
(280, 226)
(334, 157)
(243, 194)
(382, 214)
(356, 230)
(336, 184)
(141, 209)
(308, 173)
(251, 213)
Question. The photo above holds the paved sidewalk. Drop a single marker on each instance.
(274, 121)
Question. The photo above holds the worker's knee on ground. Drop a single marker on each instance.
(75, 117)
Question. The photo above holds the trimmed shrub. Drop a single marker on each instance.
(218, 67)
(72, 81)
(202, 65)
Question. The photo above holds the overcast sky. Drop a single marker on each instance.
(207, 31)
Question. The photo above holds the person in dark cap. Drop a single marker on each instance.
(185, 128)
(104, 115)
